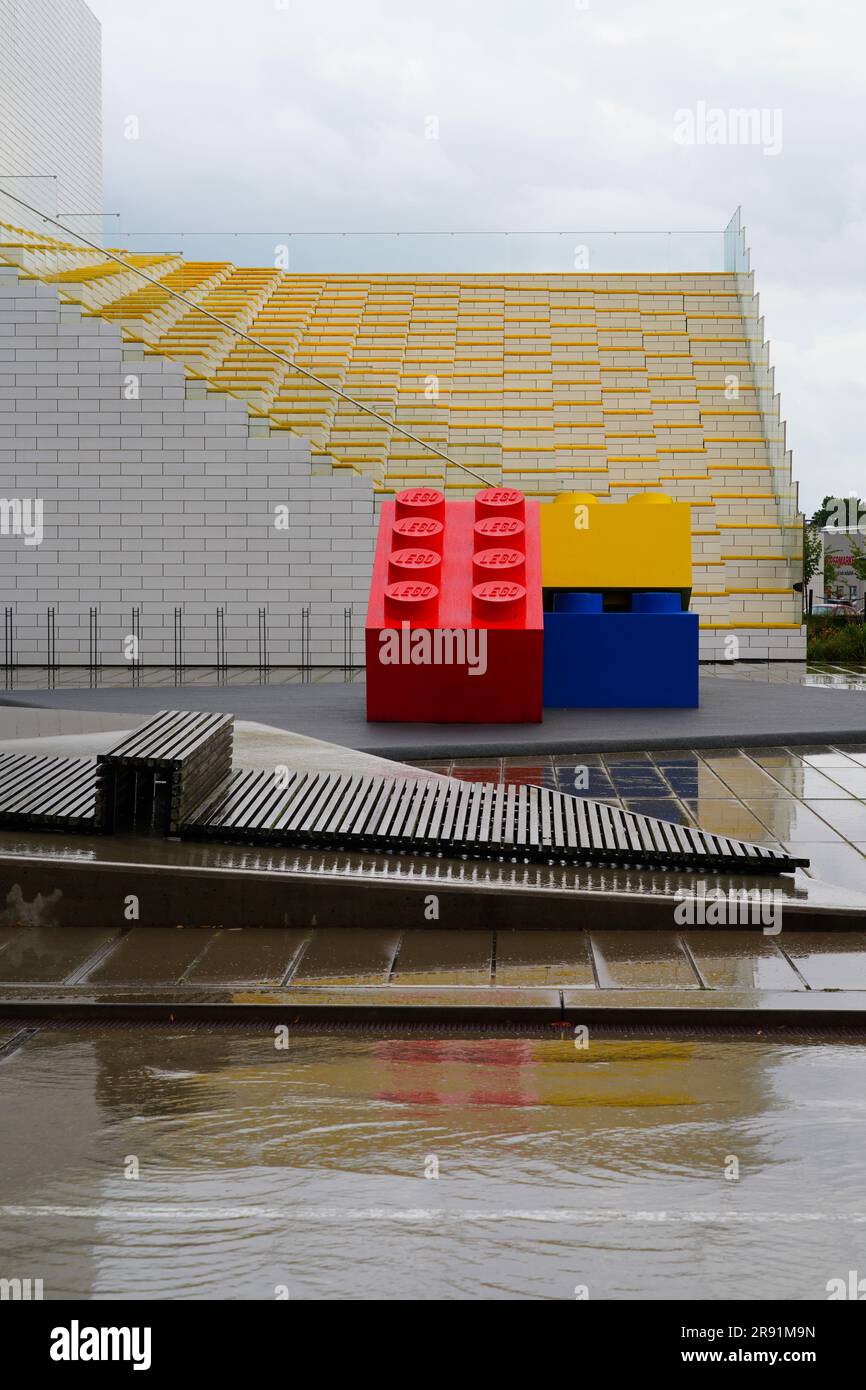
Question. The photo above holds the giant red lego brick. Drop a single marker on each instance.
(455, 628)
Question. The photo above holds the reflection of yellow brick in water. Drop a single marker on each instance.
(644, 543)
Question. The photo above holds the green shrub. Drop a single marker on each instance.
(832, 638)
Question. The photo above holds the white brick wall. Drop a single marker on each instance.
(50, 108)
(160, 502)
(755, 644)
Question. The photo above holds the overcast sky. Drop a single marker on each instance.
(292, 115)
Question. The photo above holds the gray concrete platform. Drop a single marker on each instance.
(732, 713)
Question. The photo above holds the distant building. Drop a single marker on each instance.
(51, 111)
(840, 544)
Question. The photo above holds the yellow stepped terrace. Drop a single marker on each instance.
(612, 384)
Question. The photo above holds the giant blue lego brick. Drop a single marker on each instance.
(643, 659)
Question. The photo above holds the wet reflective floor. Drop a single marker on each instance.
(218, 1163)
(246, 965)
(811, 797)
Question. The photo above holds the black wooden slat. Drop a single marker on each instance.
(487, 809)
(466, 795)
(457, 790)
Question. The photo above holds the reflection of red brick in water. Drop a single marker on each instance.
(527, 776)
(488, 1052)
(512, 1099)
(400, 1056)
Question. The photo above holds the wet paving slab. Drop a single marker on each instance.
(834, 862)
(795, 823)
(840, 965)
(726, 1006)
(725, 817)
(545, 958)
(8, 1033)
(263, 955)
(49, 955)
(137, 960)
(742, 960)
(368, 972)
(809, 782)
(444, 957)
(847, 817)
(635, 960)
(359, 956)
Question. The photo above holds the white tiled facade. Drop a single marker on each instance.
(160, 502)
(50, 108)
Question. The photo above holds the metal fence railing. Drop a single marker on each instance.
(97, 641)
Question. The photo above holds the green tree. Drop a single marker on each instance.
(823, 512)
(858, 561)
(812, 549)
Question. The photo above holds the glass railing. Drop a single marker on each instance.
(389, 253)
(29, 205)
(101, 227)
(738, 262)
(24, 197)
(443, 253)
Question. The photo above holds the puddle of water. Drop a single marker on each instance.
(260, 1167)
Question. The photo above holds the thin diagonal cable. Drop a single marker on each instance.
(238, 332)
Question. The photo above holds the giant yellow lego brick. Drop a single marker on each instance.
(644, 543)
